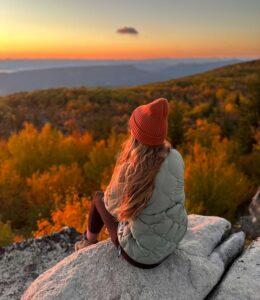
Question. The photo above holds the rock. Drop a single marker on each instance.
(21, 263)
(250, 221)
(242, 281)
(251, 229)
(191, 272)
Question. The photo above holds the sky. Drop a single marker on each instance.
(119, 29)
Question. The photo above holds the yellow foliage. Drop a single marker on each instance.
(102, 158)
(6, 234)
(48, 190)
(11, 189)
(204, 133)
(76, 147)
(32, 151)
(199, 109)
(213, 186)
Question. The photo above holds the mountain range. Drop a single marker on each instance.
(26, 77)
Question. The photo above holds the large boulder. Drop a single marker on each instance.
(21, 263)
(242, 281)
(191, 272)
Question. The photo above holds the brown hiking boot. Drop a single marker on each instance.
(82, 244)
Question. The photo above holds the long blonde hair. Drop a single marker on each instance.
(135, 169)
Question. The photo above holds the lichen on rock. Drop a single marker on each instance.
(21, 263)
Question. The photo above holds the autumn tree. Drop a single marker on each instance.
(73, 214)
(176, 123)
(11, 195)
(6, 234)
(204, 133)
(47, 191)
(213, 186)
(101, 162)
(34, 151)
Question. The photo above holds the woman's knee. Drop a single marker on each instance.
(97, 193)
(98, 196)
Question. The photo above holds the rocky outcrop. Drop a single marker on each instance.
(191, 272)
(242, 281)
(249, 222)
(22, 262)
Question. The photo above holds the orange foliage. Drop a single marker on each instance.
(73, 214)
(18, 238)
(229, 107)
(51, 186)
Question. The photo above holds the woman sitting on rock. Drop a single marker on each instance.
(143, 205)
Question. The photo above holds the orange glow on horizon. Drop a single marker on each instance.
(99, 55)
(74, 46)
(78, 49)
(121, 57)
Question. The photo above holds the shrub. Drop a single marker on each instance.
(11, 195)
(213, 186)
(47, 191)
(73, 214)
(6, 234)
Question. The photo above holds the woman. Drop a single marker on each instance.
(143, 205)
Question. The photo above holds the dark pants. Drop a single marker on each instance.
(98, 216)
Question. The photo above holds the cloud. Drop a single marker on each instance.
(127, 30)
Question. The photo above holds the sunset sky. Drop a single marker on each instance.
(103, 29)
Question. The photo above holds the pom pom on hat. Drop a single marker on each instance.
(149, 122)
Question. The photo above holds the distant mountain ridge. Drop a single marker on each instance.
(101, 75)
(97, 110)
(149, 64)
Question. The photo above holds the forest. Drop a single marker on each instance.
(57, 146)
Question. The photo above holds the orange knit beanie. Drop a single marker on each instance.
(149, 122)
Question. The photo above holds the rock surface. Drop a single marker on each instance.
(191, 272)
(249, 222)
(242, 281)
(22, 262)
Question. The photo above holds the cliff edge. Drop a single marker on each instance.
(206, 265)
